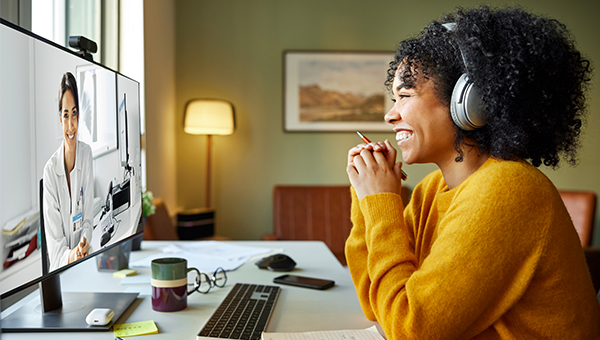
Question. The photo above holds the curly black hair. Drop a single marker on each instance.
(531, 78)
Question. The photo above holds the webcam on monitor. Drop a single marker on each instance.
(85, 46)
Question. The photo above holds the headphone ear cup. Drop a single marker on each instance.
(466, 106)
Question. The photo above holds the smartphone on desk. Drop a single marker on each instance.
(303, 281)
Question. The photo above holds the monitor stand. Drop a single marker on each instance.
(58, 311)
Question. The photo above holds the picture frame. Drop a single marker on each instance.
(335, 91)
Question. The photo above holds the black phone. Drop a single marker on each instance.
(303, 281)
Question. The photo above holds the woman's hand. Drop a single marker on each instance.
(372, 169)
(84, 247)
(79, 252)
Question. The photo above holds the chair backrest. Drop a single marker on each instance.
(592, 258)
(581, 205)
(315, 213)
(159, 226)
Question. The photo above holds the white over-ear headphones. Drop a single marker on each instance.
(466, 106)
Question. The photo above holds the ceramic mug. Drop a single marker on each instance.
(169, 284)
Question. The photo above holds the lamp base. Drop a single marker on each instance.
(196, 223)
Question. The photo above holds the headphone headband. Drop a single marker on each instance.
(466, 106)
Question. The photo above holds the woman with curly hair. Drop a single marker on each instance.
(486, 248)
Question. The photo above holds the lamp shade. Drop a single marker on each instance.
(209, 117)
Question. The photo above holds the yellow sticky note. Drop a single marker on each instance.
(124, 272)
(135, 328)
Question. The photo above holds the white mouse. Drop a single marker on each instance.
(99, 316)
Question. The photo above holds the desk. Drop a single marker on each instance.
(297, 309)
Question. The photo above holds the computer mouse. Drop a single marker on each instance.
(277, 263)
(104, 239)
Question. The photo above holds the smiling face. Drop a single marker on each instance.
(69, 120)
(422, 123)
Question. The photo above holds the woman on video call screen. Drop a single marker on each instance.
(68, 186)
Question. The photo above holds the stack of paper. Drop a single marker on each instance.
(354, 334)
(24, 220)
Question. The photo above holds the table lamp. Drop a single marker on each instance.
(209, 117)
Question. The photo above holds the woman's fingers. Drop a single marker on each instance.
(379, 147)
(85, 250)
(371, 147)
(354, 151)
(391, 153)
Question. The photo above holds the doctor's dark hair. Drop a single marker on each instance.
(68, 83)
(531, 78)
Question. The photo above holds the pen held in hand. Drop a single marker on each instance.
(367, 141)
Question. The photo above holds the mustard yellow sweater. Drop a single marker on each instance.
(495, 258)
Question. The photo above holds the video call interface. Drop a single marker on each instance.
(85, 204)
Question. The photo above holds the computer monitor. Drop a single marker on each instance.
(123, 132)
(66, 192)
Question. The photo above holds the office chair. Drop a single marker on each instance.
(581, 205)
(319, 213)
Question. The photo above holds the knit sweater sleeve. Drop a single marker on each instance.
(356, 256)
(357, 253)
(479, 263)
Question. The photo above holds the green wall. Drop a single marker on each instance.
(232, 49)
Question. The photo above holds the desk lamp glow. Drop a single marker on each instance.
(209, 117)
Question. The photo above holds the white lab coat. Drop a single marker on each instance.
(59, 207)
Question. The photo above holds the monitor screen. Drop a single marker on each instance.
(70, 159)
(123, 132)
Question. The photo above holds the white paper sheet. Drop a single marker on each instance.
(142, 290)
(136, 280)
(206, 256)
(370, 333)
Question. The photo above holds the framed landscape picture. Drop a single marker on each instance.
(335, 91)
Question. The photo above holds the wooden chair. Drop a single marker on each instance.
(159, 226)
(592, 257)
(581, 205)
(314, 213)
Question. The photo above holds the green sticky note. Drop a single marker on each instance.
(135, 328)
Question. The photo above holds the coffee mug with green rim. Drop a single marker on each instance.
(169, 284)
